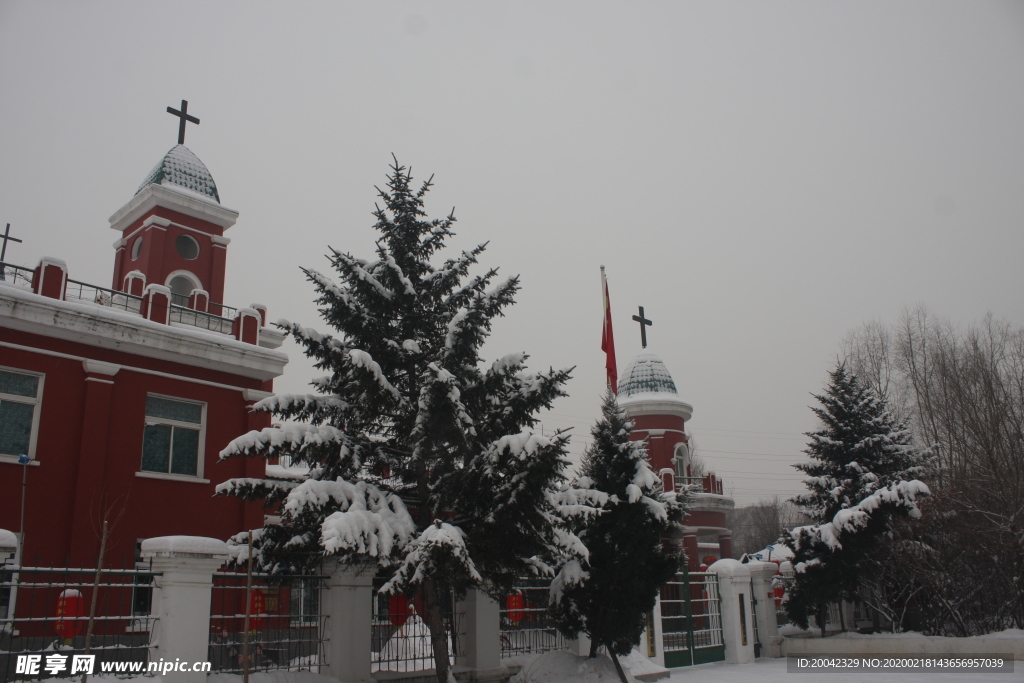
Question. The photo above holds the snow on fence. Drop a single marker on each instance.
(286, 625)
(400, 640)
(45, 611)
(691, 619)
(526, 626)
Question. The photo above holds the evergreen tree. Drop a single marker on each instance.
(628, 560)
(863, 471)
(421, 459)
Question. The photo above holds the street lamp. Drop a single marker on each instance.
(23, 460)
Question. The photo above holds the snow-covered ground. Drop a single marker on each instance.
(774, 671)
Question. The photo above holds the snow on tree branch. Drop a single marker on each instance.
(369, 521)
(438, 543)
(289, 437)
(902, 494)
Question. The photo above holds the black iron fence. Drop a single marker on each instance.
(287, 627)
(526, 625)
(400, 640)
(45, 618)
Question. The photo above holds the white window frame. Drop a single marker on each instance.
(200, 455)
(37, 408)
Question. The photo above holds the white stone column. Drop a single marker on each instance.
(481, 642)
(181, 600)
(659, 636)
(580, 645)
(348, 604)
(734, 590)
(761, 574)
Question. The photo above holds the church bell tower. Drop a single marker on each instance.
(172, 230)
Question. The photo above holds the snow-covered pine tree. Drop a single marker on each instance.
(628, 560)
(420, 458)
(863, 470)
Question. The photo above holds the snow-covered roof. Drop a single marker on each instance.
(182, 168)
(646, 374)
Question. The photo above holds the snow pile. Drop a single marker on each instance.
(254, 677)
(565, 667)
(8, 539)
(410, 644)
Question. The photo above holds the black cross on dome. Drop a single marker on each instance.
(183, 118)
(644, 324)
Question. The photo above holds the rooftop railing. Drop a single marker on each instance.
(112, 298)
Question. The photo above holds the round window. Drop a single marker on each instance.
(187, 247)
(137, 248)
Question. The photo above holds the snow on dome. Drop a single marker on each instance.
(646, 374)
(182, 168)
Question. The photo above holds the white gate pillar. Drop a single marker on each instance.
(761, 574)
(348, 604)
(181, 600)
(737, 626)
(482, 643)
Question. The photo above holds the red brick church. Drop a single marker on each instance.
(118, 400)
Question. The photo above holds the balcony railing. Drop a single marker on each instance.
(111, 298)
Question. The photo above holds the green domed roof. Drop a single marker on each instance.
(182, 168)
(646, 374)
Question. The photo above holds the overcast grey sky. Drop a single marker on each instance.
(761, 177)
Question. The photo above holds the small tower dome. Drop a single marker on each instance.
(182, 168)
(646, 374)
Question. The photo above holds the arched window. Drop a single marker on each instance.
(681, 459)
(181, 283)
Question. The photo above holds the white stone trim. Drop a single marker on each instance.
(130, 333)
(255, 394)
(164, 195)
(98, 367)
(172, 477)
(97, 379)
(144, 371)
(218, 240)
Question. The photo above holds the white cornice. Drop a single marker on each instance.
(167, 196)
(656, 404)
(102, 327)
(710, 502)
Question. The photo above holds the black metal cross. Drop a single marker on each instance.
(183, 117)
(6, 237)
(644, 324)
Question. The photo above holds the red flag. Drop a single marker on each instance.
(608, 339)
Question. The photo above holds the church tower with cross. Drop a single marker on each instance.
(172, 230)
(121, 398)
(648, 394)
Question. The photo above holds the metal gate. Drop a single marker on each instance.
(691, 620)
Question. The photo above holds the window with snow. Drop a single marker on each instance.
(187, 247)
(173, 442)
(20, 397)
(137, 248)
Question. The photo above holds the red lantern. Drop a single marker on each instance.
(779, 591)
(257, 606)
(401, 607)
(514, 606)
(70, 608)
